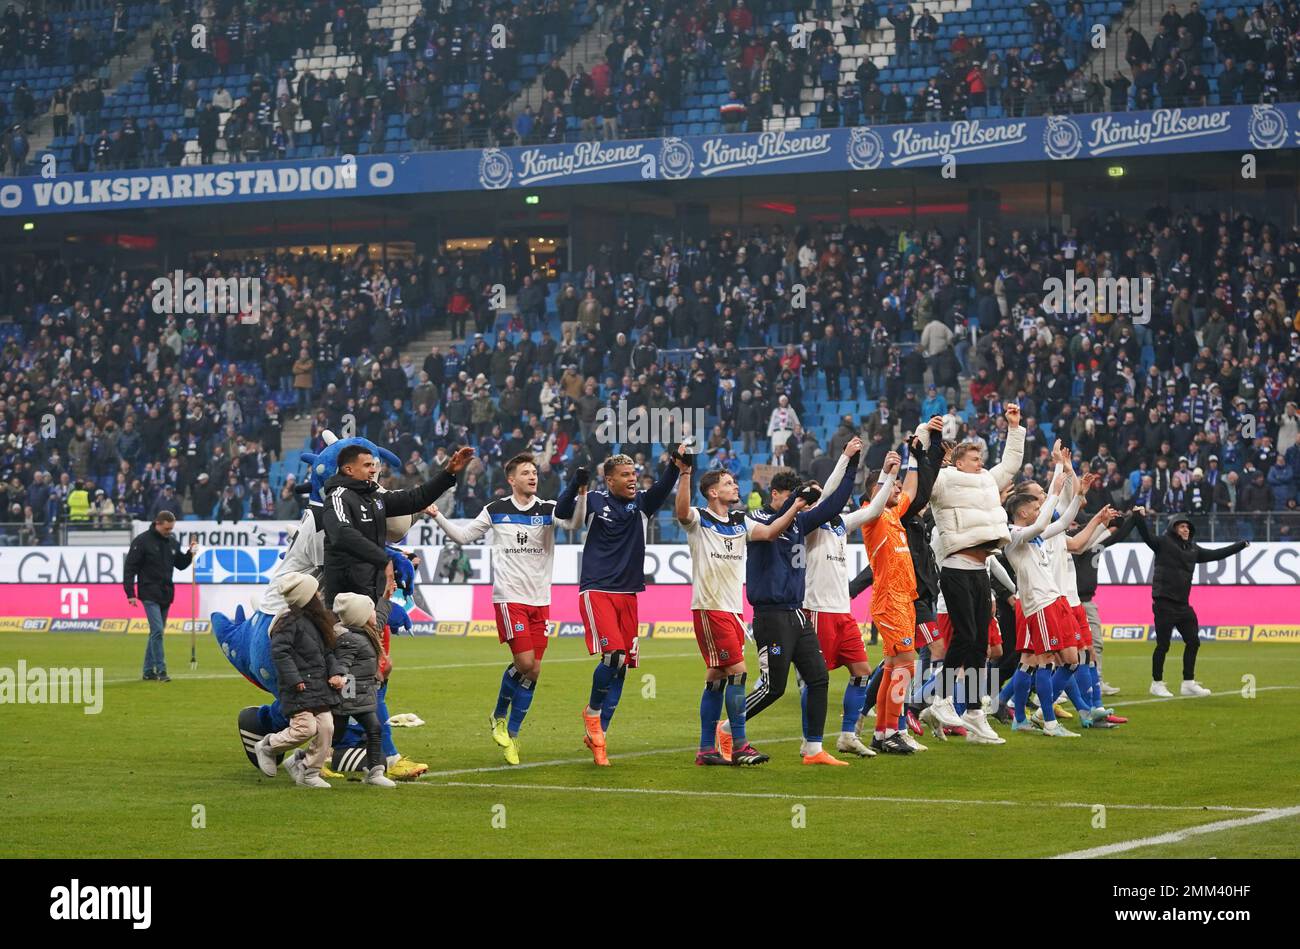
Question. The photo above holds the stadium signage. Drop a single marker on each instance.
(725, 153)
(814, 151)
(1111, 134)
(541, 164)
(911, 145)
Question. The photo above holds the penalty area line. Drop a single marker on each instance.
(1178, 836)
(1257, 812)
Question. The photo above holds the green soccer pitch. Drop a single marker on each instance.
(1186, 778)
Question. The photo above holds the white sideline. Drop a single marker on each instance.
(1179, 835)
(1212, 695)
(1256, 812)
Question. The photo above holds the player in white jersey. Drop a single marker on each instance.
(522, 531)
(717, 539)
(1041, 620)
(826, 598)
(1072, 674)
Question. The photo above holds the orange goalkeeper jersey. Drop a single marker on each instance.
(894, 589)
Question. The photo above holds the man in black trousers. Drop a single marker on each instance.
(1171, 588)
(148, 578)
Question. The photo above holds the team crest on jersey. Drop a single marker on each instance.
(519, 627)
(604, 641)
(906, 640)
(775, 650)
(724, 655)
(631, 505)
(1055, 640)
(537, 520)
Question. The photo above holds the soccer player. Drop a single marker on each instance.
(775, 574)
(1171, 588)
(1073, 675)
(925, 458)
(972, 526)
(1086, 563)
(1042, 621)
(613, 573)
(716, 537)
(522, 529)
(893, 607)
(826, 598)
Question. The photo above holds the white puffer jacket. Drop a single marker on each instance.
(968, 508)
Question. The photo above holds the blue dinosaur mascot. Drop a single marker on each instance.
(245, 639)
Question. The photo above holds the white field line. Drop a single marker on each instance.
(1212, 695)
(1176, 836)
(181, 676)
(796, 796)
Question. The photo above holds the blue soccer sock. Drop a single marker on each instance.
(1008, 689)
(509, 681)
(601, 680)
(524, 692)
(734, 697)
(855, 697)
(1063, 681)
(873, 687)
(1095, 675)
(1021, 683)
(1046, 694)
(1083, 682)
(710, 711)
(611, 698)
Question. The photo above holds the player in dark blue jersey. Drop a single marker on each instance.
(613, 573)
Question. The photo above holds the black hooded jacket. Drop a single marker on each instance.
(1176, 559)
(355, 534)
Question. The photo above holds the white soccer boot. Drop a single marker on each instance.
(930, 718)
(946, 712)
(1057, 730)
(912, 742)
(974, 719)
(851, 743)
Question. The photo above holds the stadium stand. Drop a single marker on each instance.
(398, 75)
(1195, 411)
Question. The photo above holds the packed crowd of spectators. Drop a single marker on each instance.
(448, 44)
(1194, 411)
(31, 39)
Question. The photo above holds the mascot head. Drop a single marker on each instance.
(325, 465)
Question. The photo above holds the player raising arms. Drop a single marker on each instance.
(826, 598)
(716, 537)
(1042, 621)
(613, 573)
(775, 574)
(972, 527)
(1071, 675)
(522, 529)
